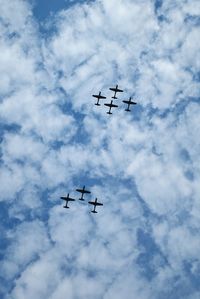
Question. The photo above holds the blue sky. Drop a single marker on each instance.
(44, 8)
(143, 165)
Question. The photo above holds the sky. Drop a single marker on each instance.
(143, 165)
(45, 9)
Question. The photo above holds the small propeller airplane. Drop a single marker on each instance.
(115, 89)
(99, 97)
(129, 102)
(83, 191)
(95, 203)
(67, 198)
(110, 105)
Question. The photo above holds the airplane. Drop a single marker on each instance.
(111, 105)
(83, 191)
(98, 96)
(115, 89)
(95, 203)
(67, 199)
(129, 102)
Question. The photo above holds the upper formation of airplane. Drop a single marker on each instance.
(129, 102)
(83, 191)
(67, 198)
(115, 89)
(110, 105)
(98, 96)
(95, 203)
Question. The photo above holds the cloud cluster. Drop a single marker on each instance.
(143, 165)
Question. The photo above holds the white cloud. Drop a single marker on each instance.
(29, 241)
(144, 164)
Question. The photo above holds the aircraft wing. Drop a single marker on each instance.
(119, 90)
(102, 97)
(80, 190)
(86, 191)
(109, 105)
(129, 102)
(70, 199)
(113, 105)
(98, 96)
(98, 204)
(67, 198)
(126, 102)
(95, 203)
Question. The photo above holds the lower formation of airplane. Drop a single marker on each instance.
(95, 203)
(82, 191)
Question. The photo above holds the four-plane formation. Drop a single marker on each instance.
(111, 104)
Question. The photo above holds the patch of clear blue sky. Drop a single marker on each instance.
(157, 4)
(42, 9)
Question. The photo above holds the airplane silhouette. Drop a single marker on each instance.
(98, 96)
(67, 199)
(95, 203)
(115, 89)
(83, 191)
(129, 102)
(111, 105)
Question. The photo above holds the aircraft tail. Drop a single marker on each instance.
(93, 211)
(114, 97)
(97, 104)
(66, 207)
(127, 110)
(109, 112)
